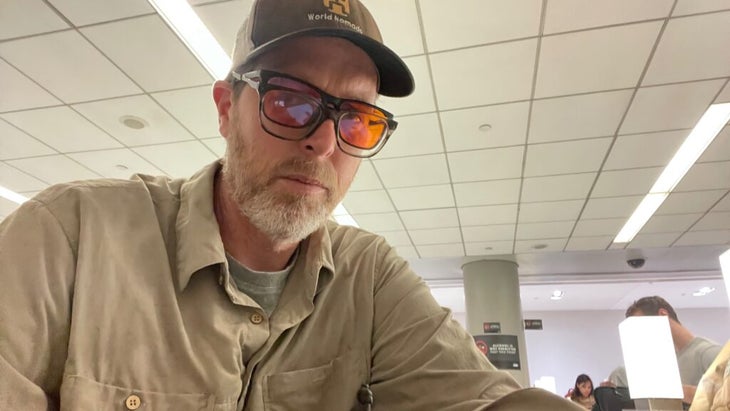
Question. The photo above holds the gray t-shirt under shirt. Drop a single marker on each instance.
(264, 287)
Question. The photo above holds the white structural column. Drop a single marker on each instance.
(494, 314)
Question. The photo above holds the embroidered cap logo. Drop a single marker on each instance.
(339, 7)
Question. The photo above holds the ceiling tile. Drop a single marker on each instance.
(20, 92)
(78, 71)
(706, 176)
(16, 144)
(551, 211)
(669, 107)
(488, 215)
(419, 198)
(670, 223)
(719, 149)
(54, 169)
(366, 178)
(724, 204)
(436, 236)
(602, 59)
(575, 156)
(223, 19)
(554, 229)
(399, 24)
(598, 227)
(567, 15)
(486, 233)
(489, 164)
(625, 182)
(588, 243)
(7, 207)
(149, 52)
(690, 202)
(575, 117)
(396, 238)
(83, 12)
(441, 250)
(553, 188)
(489, 248)
(507, 122)
(487, 192)
(67, 132)
(630, 151)
(716, 220)
(120, 163)
(19, 181)
(724, 96)
(160, 127)
(379, 222)
(714, 237)
(540, 246)
(217, 145)
(654, 240)
(498, 73)
(684, 53)
(361, 202)
(699, 6)
(28, 17)
(424, 219)
(413, 171)
(422, 100)
(407, 251)
(194, 108)
(177, 159)
(475, 22)
(610, 207)
(415, 135)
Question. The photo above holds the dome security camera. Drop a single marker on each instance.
(636, 263)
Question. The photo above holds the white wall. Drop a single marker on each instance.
(587, 342)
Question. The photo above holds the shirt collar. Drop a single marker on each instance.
(199, 243)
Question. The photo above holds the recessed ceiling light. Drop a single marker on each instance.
(485, 127)
(557, 295)
(703, 291)
(133, 122)
(12, 195)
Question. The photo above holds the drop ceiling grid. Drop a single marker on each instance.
(473, 178)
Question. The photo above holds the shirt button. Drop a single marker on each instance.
(257, 318)
(133, 402)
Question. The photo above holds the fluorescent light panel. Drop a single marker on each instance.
(343, 217)
(12, 195)
(714, 119)
(183, 20)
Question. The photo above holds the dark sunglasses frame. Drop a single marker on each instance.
(330, 108)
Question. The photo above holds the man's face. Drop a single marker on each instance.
(287, 189)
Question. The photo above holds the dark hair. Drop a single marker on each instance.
(576, 391)
(651, 306)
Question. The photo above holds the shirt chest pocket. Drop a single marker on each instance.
(79, 393)
(333, 386)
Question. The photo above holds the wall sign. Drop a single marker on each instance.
(501, 350)
(533, 324)
(491, 328)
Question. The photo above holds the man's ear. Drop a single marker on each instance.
(663, 311)
(223, 98)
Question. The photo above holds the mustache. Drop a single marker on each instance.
(322, 172)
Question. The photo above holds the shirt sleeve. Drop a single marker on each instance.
(36, 272)
(421, 357)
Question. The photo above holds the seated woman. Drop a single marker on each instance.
(582, 393)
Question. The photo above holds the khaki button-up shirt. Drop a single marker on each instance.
(116, 295)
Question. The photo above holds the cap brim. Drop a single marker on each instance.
(396, 79)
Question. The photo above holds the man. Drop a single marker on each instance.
(694, 354)
(231, 289)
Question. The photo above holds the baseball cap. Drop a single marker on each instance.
(270, 22)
